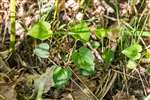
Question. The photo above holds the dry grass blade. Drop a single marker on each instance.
(84, 85)
(107, 86)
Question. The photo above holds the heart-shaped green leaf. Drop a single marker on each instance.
(40, 30)
(80, 31)
(131, 64)
(84, 60)
(42, 50)
(61, 77)
(133, 51)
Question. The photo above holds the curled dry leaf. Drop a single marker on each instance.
(125, 9)
(79, 16)
(100, 10)
(72, 4)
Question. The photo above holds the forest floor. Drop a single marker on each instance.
(75, 50)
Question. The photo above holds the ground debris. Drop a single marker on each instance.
(123, 96)
(7, 93)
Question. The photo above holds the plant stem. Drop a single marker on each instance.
(56, 9)
(40, 90)
(13, 23)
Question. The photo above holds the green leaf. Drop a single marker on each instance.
(146, 33)
(80, 31)
(40, 30)
(86, 69)
(147, 54)
(84, 60)
(42, 50)
(85, 72)
(148, 70)
(108, 55)
(133, 51)
(101, 33)
(95, 44)
(86, 54)
(61, 77)
(143, 33)
(131, 64)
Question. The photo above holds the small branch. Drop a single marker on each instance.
(97, 55)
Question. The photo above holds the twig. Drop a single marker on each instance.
(109, 85)
(124, 74)
(98, 56)
(142, 82)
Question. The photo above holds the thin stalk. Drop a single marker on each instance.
(56, 9)
(117, 11)
(40, 7)
(13, 24)
(81, 2)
